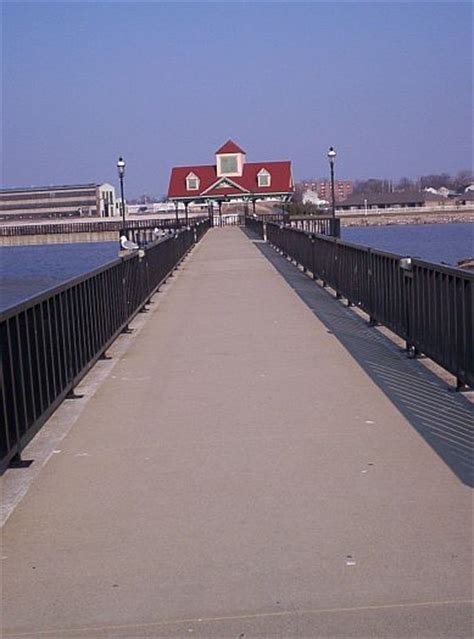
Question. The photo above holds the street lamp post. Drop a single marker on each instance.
(121, 173)
(331, 158)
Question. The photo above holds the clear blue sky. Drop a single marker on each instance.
(166, 83)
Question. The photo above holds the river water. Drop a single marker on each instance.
(440, 243)
(28, 270)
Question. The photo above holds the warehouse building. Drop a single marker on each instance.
(80, 200)
(397, 200)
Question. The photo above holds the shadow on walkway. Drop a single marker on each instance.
(444, 419)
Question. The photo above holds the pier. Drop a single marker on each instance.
(255, 460)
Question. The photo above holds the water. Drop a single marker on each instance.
(440, 243)
(29, 270)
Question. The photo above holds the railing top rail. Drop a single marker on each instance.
(444, 268)
(91, 225)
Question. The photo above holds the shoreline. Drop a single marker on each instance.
(390, 219)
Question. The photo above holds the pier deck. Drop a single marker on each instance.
(258, 463)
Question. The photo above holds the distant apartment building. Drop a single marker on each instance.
(79, 200)
(342, 189)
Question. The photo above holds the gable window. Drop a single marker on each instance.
(192, 182)
(263, 178)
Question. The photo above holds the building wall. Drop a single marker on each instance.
(342, 189)
(87, 200)
(391, 205)
(106, 206)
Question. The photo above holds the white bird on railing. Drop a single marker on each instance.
(128, 245)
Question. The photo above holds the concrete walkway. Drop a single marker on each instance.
(240, 474)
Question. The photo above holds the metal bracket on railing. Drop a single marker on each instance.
(461, 387)
(406, 265)
(412, 351)
(18, 462)
(72, 395)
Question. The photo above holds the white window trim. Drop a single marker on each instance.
(240, 163)
(263, 173)
(189, 177)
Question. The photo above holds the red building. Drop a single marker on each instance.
(342, 189)
(231, 178)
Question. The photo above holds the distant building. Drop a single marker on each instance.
(80, 200)
(466, 198)
(342, 189)
(231, 178)
(311, 197)
(444, 191)
(401, 199)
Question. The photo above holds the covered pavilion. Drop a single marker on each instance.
(231, 179)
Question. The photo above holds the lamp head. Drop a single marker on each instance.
(331, 154)
(121, 167)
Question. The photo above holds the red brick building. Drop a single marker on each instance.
(231, 178)
(342, 188)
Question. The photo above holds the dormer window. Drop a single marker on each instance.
(192, 182)
(228, 164)
(263, 178)
(230, 160)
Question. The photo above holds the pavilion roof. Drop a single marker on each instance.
(211, 185)
(230, 147)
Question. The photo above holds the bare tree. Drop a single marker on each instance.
(405, 184)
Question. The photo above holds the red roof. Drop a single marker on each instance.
(229, 147)
(247, 184)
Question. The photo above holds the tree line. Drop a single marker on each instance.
(375, 186)
(455, 183)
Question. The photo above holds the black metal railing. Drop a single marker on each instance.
(145, 235)
(50, 341)
(428, 305)
(97, 226)
(256, 225)
(321, 225)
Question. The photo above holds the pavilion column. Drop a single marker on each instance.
(220, 213)
(211, 213)
(253, 207)
(176, 213)
(186, 204)
(285, 211)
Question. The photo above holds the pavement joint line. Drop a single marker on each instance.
(257, 615)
